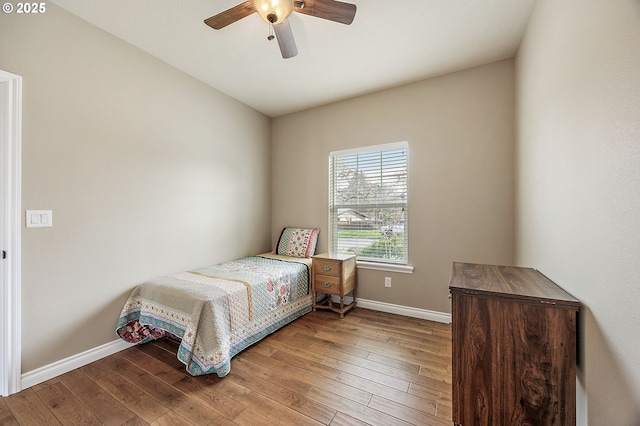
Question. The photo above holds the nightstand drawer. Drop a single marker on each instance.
(327, 267)
(327, 284)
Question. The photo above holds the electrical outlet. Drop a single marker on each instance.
(387, 281)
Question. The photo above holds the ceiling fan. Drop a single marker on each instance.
(276, 13)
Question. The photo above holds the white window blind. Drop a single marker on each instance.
(368, 203)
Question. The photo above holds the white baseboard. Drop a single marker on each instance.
(57, 368)
(405, 310)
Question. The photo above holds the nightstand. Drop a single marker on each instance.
(334, 274)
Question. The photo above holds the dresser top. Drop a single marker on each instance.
(509, 282)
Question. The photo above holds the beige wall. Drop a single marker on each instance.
(578, 162)
(147, 172)
(461, 182)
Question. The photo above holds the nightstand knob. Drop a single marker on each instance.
(326, 268)
(325, 284)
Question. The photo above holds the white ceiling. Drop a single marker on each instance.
(389, 43)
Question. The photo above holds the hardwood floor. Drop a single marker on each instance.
(368, 368)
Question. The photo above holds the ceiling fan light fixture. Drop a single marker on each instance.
(273, 11)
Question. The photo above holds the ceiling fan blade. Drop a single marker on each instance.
(285, 39)
(230, 16)
(332, 10)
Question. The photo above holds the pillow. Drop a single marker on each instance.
(297, 242)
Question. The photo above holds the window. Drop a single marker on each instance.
(368, 203)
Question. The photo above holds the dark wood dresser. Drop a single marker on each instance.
(514, 347)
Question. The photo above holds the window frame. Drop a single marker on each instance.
(397, 265)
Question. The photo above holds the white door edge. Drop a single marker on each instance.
(10, 298)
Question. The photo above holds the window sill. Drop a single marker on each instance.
(388, 267)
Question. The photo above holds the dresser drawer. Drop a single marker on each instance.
(327, 284)
(327, 267)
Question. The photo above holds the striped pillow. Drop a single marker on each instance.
(297, 242)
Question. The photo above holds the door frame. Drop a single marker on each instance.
(10, 297)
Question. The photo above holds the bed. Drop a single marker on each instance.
(217, 311)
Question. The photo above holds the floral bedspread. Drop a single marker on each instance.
(219, 310)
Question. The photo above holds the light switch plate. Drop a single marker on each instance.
(39, 218)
